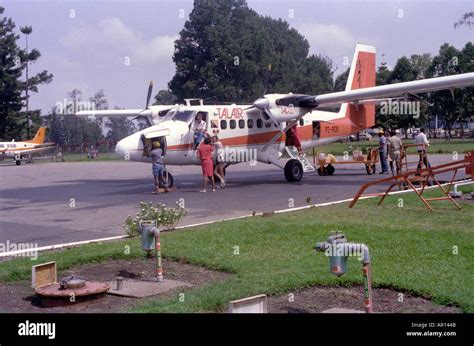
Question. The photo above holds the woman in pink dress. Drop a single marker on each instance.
(204, 153)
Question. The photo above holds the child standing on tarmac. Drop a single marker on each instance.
(157, 165)
(204, 153)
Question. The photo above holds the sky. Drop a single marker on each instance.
(119, 46)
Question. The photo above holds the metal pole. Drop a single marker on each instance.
(26, 84)
(159, 268)
(367, 273)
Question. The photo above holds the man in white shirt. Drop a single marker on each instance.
(199, 128)
(422, 148)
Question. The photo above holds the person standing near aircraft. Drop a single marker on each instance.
(422, 148)
(394, 150)
(219, 166)
(383, 152)
(199, 129)
(157, 165)
(293, 139)
(204, 153)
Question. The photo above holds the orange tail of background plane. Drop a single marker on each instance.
(361, 75)
(39, 137)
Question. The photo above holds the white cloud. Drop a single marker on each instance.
(112, 37)
(331, 39)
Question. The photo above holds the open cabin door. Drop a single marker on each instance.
(154, 139)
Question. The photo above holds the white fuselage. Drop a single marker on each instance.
(244, 134)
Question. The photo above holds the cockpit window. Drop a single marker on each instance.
(185, 116)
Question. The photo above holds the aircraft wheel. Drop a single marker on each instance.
(330, 169)
(293, 170)
(322, 170)
(18, 162)
(168, 183)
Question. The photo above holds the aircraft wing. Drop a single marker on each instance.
(390, 91)
(110, 113)
(37, 149)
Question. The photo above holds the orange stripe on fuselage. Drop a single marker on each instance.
(251, 139)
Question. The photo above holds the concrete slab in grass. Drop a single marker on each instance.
(141, 289)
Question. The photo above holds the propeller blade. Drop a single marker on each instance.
(150, 90)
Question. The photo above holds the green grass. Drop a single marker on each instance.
(437, 146)
(83, 157)
(411, 250)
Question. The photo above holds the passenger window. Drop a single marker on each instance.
(259, 123)
(250, 123)
(223, 124)
(241, 123)
(301, 122)
(267, 125)
(232, 124)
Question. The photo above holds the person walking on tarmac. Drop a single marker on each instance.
(394, 151)
(204, 153)
(157, 155)
(422, 149)
(383, 152)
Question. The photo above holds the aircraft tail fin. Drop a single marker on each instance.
(361, 75)
(39, 137)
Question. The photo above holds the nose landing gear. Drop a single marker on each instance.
(168, 180)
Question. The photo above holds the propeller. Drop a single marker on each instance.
(150, 90)
(146, 113)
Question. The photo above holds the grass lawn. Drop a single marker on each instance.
(411, 250)
(83, 157)
(437, 146)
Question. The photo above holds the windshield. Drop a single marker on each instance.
(185, 116)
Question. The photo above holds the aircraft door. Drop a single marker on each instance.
(150, 143)
(316, 130)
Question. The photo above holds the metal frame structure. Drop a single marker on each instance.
(424, 176)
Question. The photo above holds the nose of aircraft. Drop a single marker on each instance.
(122, 148)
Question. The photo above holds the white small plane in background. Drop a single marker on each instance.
(261, 128)
(24, 149)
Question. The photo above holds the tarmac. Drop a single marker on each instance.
(54, 203)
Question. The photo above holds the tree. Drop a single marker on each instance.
(99, 101)
(71, 131)
(119, 128)
(341, 81)
(165, 97)
(15, 60)
(467, 19)
(456, 106)
(227, 52)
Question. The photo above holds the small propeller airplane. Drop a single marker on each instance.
(257, 132)
(19, 150)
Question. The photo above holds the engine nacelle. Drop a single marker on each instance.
(281, 107)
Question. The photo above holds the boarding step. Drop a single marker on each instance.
(293, 153)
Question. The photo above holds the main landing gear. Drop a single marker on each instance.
(293, 170)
